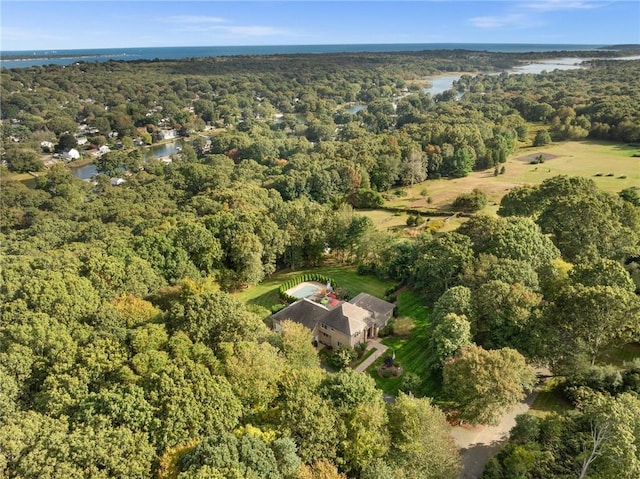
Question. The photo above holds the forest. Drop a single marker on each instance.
(127, 352)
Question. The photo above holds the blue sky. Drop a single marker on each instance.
(45, 25)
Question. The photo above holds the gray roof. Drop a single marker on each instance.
(303, 311)
(347, 318)
(377, 306)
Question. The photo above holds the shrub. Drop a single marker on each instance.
(388, 361)
(360, 349)
(342, 357)
(387, 330)
(474, 201)
(284, 287)
(277, 307)
(411, 384)
(542, 138)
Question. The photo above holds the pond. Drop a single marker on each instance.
(356, 108)
(86, 172)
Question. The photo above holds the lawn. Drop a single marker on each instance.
(411, 351)
(265, 294)
(385, 220)
(618, 356)
(586, 158)
(549, 399)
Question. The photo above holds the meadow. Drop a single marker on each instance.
(611, 165)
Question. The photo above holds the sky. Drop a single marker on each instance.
(81, 24)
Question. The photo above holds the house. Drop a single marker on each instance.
(338, 323)
(72, 154)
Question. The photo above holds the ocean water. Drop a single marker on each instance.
(23, 59)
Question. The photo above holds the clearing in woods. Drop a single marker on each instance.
(611, 165)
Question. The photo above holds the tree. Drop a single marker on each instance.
(228, 456)
(584, 320)
(460, 164)
(501, 379)
(602, 272)
(456, 300)
(190, 402)
(421, 445)
(440, 259)
(502, 313)
(322, 469)
(22, 160)
(216, 317)
(253, 369)
(297, 346)
(414, 169)
(451, 333)
(521, 239)
(614, 436)
(542, 138)
(66, 141)
(308, 418)
(472, 202)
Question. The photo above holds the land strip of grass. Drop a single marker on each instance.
(411, 351)
(265, 294)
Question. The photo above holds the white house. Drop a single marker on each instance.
(72, 154)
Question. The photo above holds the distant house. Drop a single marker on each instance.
(118, 181)
(104, 149)
(72, 154)
(46, 146)
(81, 140)
(338, 323)
(167, 134)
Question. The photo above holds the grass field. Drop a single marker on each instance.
(549, 399)
(575, 158)
(411, 351)
(266, 293)
(618, 356)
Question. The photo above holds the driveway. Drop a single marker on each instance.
(478, 444)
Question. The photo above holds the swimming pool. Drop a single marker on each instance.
(305, 290)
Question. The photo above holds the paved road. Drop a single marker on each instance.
(380, 350)
(478, 444)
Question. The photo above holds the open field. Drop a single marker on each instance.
(385, 220)
(266, 293)
(574, 158)
(411, 351)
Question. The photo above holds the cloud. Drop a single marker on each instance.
(511, 20)
(554, 5)
(193, 19)
(196, 23)
(11, 33)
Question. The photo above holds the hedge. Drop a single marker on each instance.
(284, 287)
